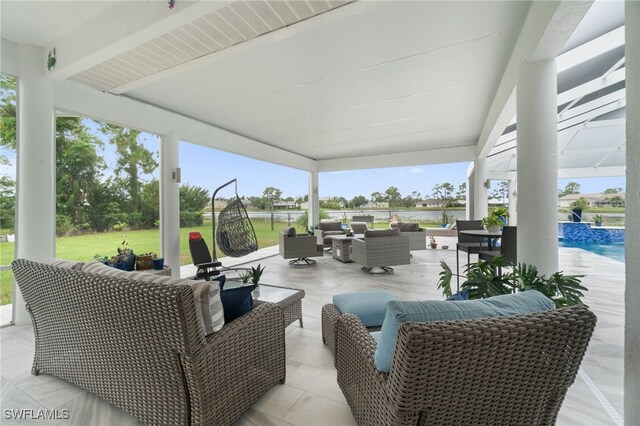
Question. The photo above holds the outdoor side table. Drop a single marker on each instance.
(287, 298)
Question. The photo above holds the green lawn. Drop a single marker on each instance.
(84, 247)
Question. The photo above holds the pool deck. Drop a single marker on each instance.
(311, 395)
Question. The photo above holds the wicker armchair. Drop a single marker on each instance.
(140, 346)
(381, 249)
(326, 228)
(417, 236)
(493, 371)
(299, 248)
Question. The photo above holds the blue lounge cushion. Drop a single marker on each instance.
(441, 310)
(236, 302)
(460, 295)
(376, 336)
(369, 306)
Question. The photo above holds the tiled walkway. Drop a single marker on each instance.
(311, 395)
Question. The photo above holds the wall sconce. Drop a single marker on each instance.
(176, 174)
(487, 183)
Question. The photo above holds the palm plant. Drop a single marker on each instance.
(483, 281)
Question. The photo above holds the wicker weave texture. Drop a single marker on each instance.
(140, 346)
(299, 246)
(381, 251)
(497, 371)
(417, 240)
(235, 235)
(330, 315)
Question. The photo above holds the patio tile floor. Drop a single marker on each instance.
(311, 395)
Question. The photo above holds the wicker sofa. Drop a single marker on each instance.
(326, 228)
(141, 346)
(492, 371)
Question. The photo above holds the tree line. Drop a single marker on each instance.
(85, 200)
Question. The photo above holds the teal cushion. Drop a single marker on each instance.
(376, 336)
(369, 306)
(441, 310)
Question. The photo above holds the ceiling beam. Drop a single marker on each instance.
(546, 29)
(126, 25)
(84, 101)
(399, 159)
(591, 49)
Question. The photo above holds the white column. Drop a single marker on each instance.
(632, 219)
(170, 201)
(538, 165)
(513, 211)
(469, 199)
(36, 170)
(480, 199)
(314, 201)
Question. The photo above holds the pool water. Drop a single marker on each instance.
(612, 251)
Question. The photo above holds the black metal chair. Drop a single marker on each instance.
(201, 257)
(508, 247)
(466, 243)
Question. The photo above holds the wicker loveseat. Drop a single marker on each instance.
(493, 371)
(327, 228)
(141, 345)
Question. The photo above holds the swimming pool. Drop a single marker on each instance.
(612, 251)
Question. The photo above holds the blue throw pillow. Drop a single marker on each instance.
(440, 310)
(369, 306)
(236, 302)
(221, 280)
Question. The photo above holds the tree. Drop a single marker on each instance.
(7, 112)
(377, 197)
(462, 191)
(570, 188)
(501, 192)
(612, 191)
(133, 161)
(393, 196)
(444, 193)
(78, 172)
(193, 200)
(412, 199)
(357, 201)
(7, 202)
(271, 195)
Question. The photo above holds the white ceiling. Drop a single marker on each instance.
(325, 80)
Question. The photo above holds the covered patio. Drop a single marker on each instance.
(341, 85)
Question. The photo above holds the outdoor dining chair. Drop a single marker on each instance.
(466, 243)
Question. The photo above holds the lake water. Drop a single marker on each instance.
(379, 215)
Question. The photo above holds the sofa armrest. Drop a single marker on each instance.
(247, 355)
(354, 354)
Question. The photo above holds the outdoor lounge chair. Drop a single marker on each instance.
(417, 236)
(326, 228)
(381, 249)
(493, 371)
(299, 247)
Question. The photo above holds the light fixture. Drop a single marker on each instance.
(176, 174)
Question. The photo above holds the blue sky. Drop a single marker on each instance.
(210, 168)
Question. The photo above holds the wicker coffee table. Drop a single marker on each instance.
(288, 299)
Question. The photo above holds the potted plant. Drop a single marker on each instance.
(598, 219)
(432, 242)
(145, 261)
(492, 223)
(245, 277)
(576, 209)
(483, 280)
(502, 213)
(256, 273)
(126, 256)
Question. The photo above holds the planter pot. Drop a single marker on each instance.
(131, 262)
(443, 225)
(120, 265)
(493, 228)
(434, 246)
(158, 263)
(576, 215)
(144, 262)
(598, 223)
